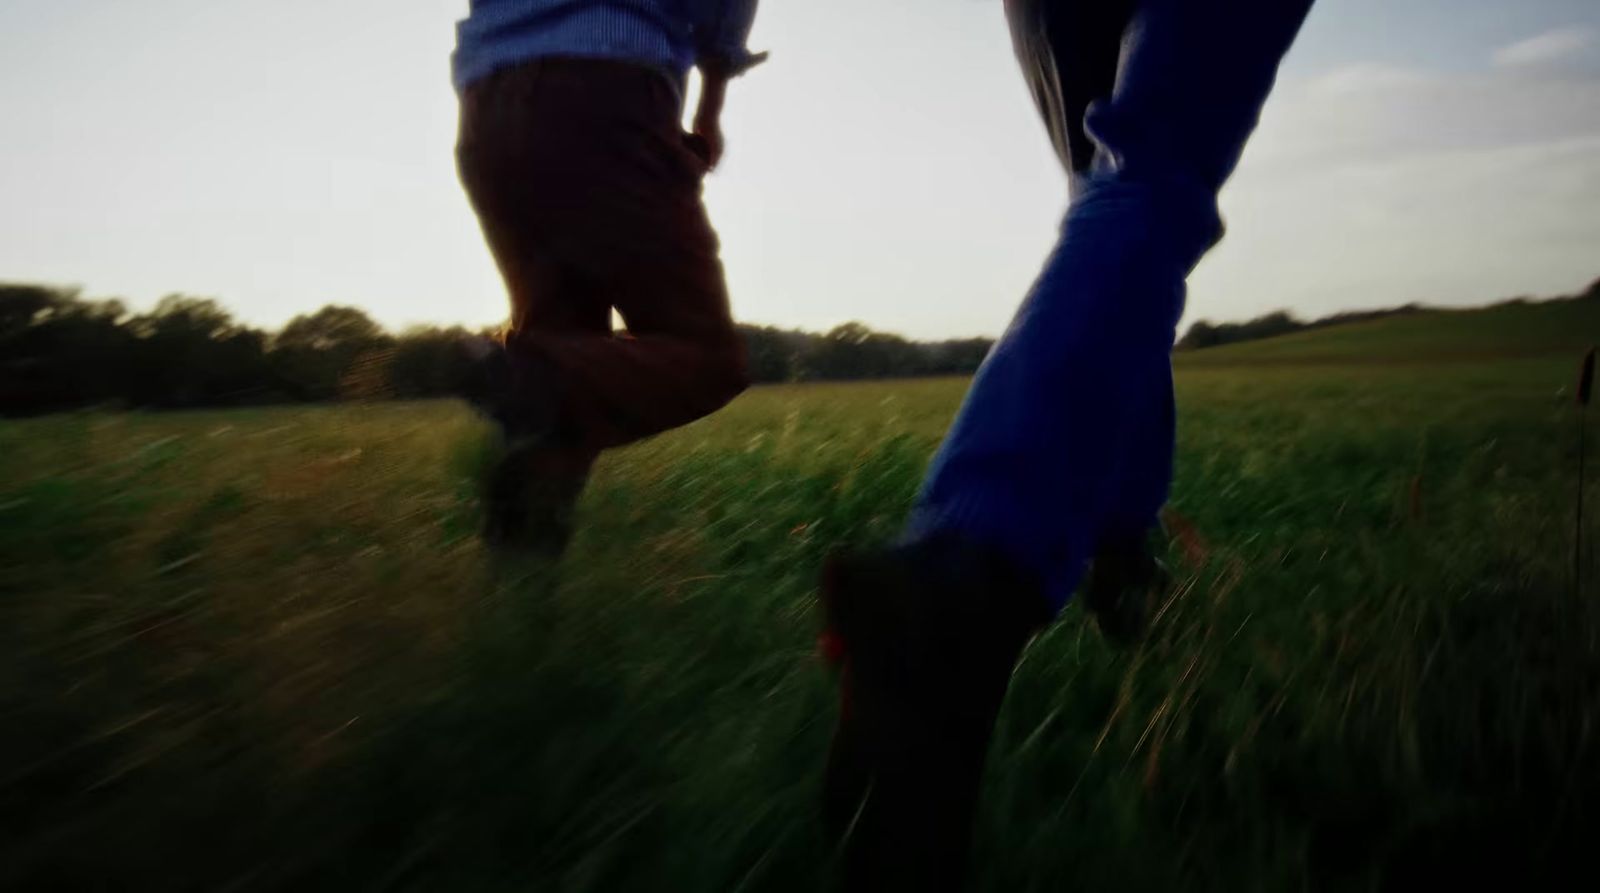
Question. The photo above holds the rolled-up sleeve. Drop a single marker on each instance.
(721, 30)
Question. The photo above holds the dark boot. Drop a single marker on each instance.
(533, 484)
(925, 637)
(530, 496)
(1126, 582)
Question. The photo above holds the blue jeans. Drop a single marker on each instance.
(1065, 439)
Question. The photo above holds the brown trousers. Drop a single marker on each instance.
(589, 198)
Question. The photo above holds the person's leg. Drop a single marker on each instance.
(589, 199)
(672, 295)
(1068, 54)
(682, 357)
(613, 194)
(530, 491)
(1066, 433)
(1068, 60)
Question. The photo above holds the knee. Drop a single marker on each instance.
(1176, 210)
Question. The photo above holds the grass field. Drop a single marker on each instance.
(261, 650)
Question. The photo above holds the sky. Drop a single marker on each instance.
(886, 165)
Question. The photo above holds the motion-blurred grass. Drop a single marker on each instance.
(262, 649)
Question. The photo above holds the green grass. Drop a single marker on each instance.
(1538, 329)
(262, 650)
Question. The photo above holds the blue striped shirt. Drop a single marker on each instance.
(671, 35)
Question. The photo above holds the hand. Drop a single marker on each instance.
(708, 142)
(707, 129)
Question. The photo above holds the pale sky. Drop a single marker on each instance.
(886, 165)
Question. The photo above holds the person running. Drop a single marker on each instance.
(1061, 455)
(573, 156)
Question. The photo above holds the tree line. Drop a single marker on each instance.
(59, 350)
(1204, 333)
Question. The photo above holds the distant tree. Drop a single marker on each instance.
(1204, 334)
(427, 362)
(1201, 334)
(774, 354)
(95, 354)
(1279, 322)
(314, 351)
(853, 350)
(191, 352)
(1350, 316)
(183, 316)
(58, 351)
(21, 304)
(331, 328)
(956, 357)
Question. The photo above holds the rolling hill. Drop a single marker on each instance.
(1504, 331)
